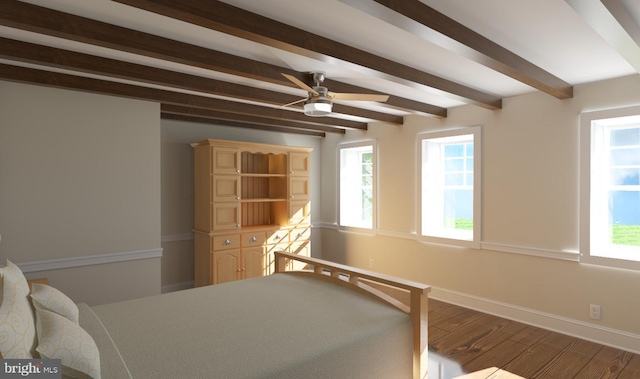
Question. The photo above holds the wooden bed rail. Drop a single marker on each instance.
(369, 282)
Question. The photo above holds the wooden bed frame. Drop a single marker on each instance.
(383, 287)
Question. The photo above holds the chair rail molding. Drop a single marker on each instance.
(88, 260)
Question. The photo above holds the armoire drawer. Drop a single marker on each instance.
(253, 239)
(226, 241)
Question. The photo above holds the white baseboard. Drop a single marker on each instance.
(575, 328)
(62, 263)
(177, 286)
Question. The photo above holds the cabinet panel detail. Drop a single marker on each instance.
(225, 216)
(226, 188)
(225, 266)
(299, 188)
(300, 248)
(254, 262)
(225, 160)
(299, 212)
(299, 164)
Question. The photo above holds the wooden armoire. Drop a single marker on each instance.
(250, 200)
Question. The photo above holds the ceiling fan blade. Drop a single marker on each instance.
(293, 102)
(300, 84)
(358, 97)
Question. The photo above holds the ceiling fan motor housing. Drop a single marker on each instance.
(318, 105)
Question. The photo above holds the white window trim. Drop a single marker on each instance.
(476, 240)
(374, 191)
(586, 126)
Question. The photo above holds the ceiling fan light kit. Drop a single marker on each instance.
(317, 108)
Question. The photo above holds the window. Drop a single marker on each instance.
(450, 185)
(610, 186)
(357, 184)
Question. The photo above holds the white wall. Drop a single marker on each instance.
(80, 184)
(530, 190)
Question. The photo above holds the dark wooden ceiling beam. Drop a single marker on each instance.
(25, 16)
(222, 122)
(476, 47)
(218, 115)
(70, 60)
(54, 79)
(231, 20)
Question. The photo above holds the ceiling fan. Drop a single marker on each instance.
(320, 100)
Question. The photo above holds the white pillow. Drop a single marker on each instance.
(17, 325)
(60, 338)
(51, 299)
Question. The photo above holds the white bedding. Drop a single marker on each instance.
(278, 326)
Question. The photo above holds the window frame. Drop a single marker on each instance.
(592, 126)
(374, 185)
(457, 133)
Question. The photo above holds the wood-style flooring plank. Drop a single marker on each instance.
(499, 356)
(606, 364)
(474, 338)
(453, 318)
(529, 335)
(569, 361)
(438, 306)
(538, 355)
(632, 369)
(463, 341)
(435, 333)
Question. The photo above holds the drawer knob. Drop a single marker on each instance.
(237, 170)
(227, 242)
(237, 197)
(253, 239)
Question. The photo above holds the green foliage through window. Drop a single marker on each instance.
(460, 223)
(626, 235)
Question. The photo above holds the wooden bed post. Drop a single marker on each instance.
(419, 315)
(281, 262)
(351, 277)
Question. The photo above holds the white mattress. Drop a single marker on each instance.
(279, 326)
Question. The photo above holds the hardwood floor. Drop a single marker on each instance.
(462, 341)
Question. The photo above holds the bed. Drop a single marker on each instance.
(328, 320)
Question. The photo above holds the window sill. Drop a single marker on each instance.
(610, 262)
(353, 229)
(449, 241)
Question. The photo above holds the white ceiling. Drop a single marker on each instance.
(578, 41)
